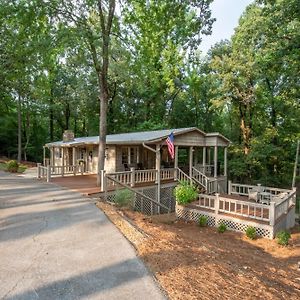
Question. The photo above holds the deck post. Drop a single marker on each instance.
(132, 177)
(215, 161)
(48, 173)
(62, 161)
(38, 175)
(176, 163)
(204, 160)
(217, 203)
(272, 213)
(229, 187)
(74, 160)
(157, 166)
(225, 161)
(191, 150)
(103, 181)
(44, 156)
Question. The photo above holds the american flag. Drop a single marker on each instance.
(170, 143)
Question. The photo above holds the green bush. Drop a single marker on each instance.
(124, 198)
(203, 221)
(185, 193)
(251, 232)
(222, 228)
(12, 166)
(283, 237)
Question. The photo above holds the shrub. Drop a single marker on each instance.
(185, 193)
(12, 166)
(222, 228)
(203, 221)
(251, 232)
(283, 237)
(124, 198)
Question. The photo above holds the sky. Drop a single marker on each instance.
(227, 13)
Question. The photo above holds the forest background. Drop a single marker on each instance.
(247, 88)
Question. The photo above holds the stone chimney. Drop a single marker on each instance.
(68, 136)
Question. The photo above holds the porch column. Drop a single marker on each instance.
(62, 161)
(44, 156)
(215, 161)
(51, 156)
(128, 156)
(176, 163)
(74, 160)
(157, 167)
(157, 163)
(190, 161)
(74, 156)
(225, 161)
(204, 159)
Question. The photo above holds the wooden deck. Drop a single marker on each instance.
(87, 184)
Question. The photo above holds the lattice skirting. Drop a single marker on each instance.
(146, 206)
(214, 220)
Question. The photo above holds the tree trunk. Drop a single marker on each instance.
(51, 115)
(19, 130)
(106, 24)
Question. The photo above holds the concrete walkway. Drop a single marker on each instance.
(56, 244)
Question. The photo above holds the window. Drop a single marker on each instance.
(129, 155)
(125, 155)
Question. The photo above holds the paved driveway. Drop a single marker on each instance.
(55, 244)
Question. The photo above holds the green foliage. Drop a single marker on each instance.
(185, 193)
(12, 166)
(124, 198)
(283, 237)
(203, 221)
(251, 232)
(222, 228)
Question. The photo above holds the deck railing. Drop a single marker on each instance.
(280, 200)
(234, 207)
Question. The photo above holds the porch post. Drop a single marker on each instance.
(44, 156)
(215, 161)
(74, 160)
(225, 161)
(62, 161)
(176, 162)
(204, 159)
(190, 161)
(157, 166)
(157, 163)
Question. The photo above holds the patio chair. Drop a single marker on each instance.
(126, 167)
(253, 193)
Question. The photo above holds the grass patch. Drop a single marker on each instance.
(3, 166)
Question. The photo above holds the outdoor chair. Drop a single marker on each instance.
(126, 168)
(254, 193)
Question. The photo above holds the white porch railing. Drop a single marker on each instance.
(235, 207)
(181, 176)
(134, 177)
(281, 200)
(200, 177)
(142, 176)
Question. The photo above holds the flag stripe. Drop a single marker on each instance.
(170, 143)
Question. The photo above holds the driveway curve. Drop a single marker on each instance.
(56, 244)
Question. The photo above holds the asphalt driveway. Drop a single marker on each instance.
(56, 244)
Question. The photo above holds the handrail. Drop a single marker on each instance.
(182, 175)
(138, 193)
(201, 178)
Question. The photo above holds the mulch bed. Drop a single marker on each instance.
(199, 263)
